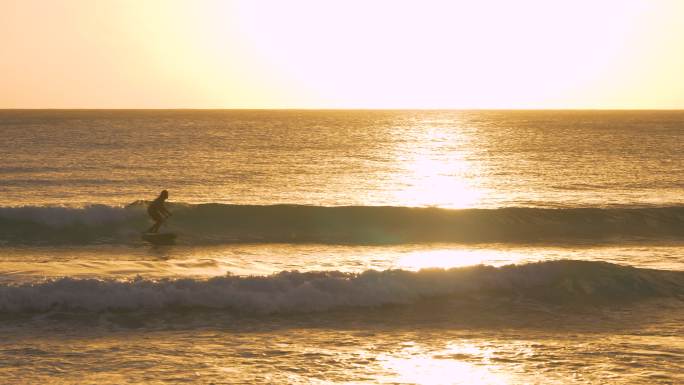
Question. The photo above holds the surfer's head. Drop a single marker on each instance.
(164, 194)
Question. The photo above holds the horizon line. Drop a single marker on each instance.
(328, 109)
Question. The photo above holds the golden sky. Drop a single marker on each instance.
(341, 54)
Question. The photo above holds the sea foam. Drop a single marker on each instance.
(555, 282)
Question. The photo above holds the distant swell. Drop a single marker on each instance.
(221, 223)
(555, 282)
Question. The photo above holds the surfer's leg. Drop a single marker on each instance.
(155, 227)
(157, 222)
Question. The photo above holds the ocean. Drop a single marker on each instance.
(342, 247)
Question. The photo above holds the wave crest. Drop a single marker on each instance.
(555, 282)
(221, 223)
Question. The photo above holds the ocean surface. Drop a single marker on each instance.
(343, 247)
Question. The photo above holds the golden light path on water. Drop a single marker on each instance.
(438, 173)
(434, 186)
(448, 258)
(413, 365)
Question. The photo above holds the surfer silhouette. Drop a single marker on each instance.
(158, 212)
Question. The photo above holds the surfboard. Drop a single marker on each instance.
(160, 238)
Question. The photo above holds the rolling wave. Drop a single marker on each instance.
(555, 282)
(222, 223)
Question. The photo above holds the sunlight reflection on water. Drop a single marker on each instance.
(447, 366)
(438, 172)
(448, 258)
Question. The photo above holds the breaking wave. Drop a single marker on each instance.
(555, 282)
(222, 223)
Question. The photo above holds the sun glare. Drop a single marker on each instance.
(346, 54)
(486, 54)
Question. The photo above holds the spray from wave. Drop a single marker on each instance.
(555, 282)
(221, 223)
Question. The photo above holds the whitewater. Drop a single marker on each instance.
(507, 247)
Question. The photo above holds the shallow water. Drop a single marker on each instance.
(29, 264)
(520, 346)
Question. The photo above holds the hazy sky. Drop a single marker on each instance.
(341, 54)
